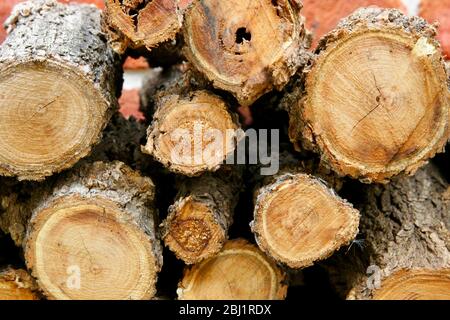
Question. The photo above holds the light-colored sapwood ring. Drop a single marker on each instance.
(51, 115)
(377, 103)
(239, 272)
(298, 220)
(88, 249)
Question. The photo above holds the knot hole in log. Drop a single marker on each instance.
(242, 34)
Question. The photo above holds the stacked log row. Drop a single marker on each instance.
(375, 103)
(91, 235)
(249, 275)
(58, 86)
(406, 255)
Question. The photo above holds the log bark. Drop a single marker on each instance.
(91, 234)
(122, 141)
(17, 284)
(247, 48)
(249, 275)
(58, 87)
(375, 102)
(192, 131)
(299, 219)
(196, 227)
(406, 249)
(144, 25)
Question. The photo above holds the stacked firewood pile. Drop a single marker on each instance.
(333, 170)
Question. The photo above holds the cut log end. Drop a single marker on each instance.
(191, 135)
(44, 110)
(245, 47)
(299, 220)
(193, 233)
(377, 103)
(100, 254)
(17, 285)
(249, 276)
(140, 24)
(415, 285)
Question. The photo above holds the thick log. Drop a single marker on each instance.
(406, 248)
(197, 225)
(375, 102)
(17, 284)
(247, 48)
(249, 275)
(299, 219)
(192, 131)
(143, 24)
(91, 234)
(58, 85)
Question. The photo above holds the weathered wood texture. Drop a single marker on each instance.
(193, 131)
(298, 218)
(249, 275)
(375, 103)
(17, 284)
(247, 48)
(197, 225)
(144, 25)
(58, 87)
(91, 235)
(406, 250)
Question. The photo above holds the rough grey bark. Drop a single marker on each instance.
(122, 141)
(114, 181)
(405, 226)
(69, 38)
(42, 30)
(16, 205)
(178, 79)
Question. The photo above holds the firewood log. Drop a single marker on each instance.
(150, 27)
(239, 272)
(91, 234)
(298, 218)
(246, 47)
(58, 86)
(193, 131)
(197, 225)
(375, 102)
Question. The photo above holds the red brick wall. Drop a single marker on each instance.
(438, 10)
(323, 15)
(135, 64)
(129, 104)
